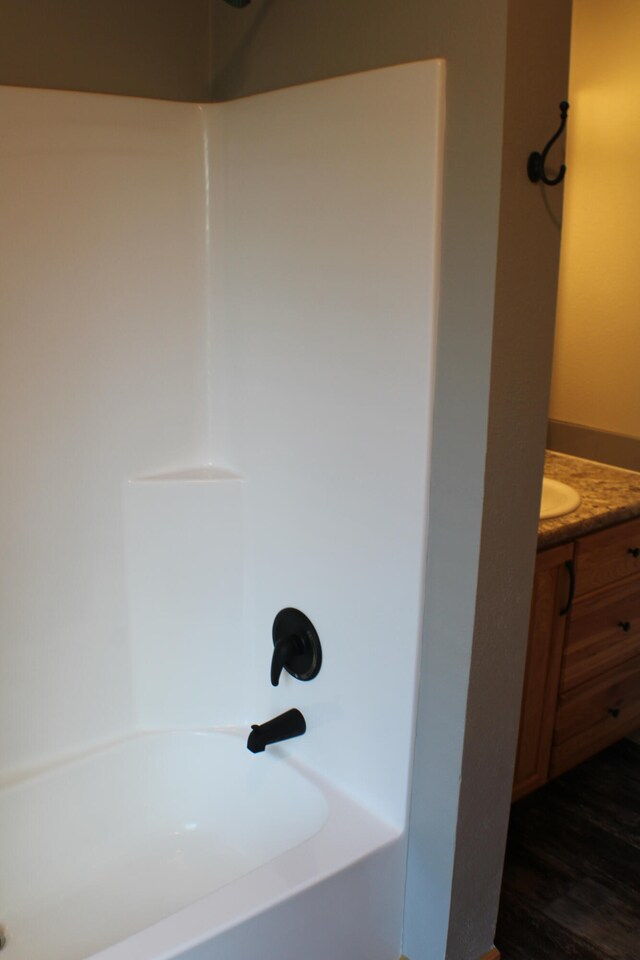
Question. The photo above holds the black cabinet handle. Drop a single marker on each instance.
(571, 570)
(634, 551)
(625, 625)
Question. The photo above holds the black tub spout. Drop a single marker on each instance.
(284, 727)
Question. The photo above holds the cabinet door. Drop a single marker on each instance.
(551, 589)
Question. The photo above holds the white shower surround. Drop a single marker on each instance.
(216, 389)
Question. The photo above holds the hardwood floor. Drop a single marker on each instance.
(571, 886)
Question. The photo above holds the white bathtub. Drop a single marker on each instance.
(184, 844)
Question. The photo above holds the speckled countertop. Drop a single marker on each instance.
(610, 495)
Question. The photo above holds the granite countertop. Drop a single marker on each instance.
(610, 495)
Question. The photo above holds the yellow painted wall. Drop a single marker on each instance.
(596, 375)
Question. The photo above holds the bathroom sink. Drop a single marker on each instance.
(557, 499)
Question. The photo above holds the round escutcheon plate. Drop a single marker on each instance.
(306, 663)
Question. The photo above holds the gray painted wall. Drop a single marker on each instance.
(523, 334)
(144, 48)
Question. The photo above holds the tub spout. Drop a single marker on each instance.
(284, 727)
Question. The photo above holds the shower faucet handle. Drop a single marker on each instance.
(285, 649)
(296, 646)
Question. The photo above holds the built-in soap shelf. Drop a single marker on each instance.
(184, 569)
(201, 474)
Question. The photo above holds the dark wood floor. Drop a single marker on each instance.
(571, 888)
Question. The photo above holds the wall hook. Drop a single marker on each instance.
(536, 162)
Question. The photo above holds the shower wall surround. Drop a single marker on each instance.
(216, 378)
(327, 293)
(102, 378)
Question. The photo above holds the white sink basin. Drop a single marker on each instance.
(557, 499)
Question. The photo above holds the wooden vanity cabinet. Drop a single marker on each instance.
(582, 679)
(599, 691)
(551, 590)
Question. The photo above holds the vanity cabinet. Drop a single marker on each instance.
(599, 692)
(582, 678)
(550, 599)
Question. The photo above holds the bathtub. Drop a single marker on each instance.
(183, 844)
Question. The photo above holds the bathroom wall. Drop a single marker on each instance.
(102, 378)
(537, 63)
(597, 346)
(148, 48)
(327, 280)
(218, 346)
(323, 246)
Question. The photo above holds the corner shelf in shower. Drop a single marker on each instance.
(203, 474)
(184, 536)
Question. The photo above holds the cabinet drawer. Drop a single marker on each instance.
(604, 631)
(595, 714)
(607, 556)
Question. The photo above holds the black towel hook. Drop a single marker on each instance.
(536, 162)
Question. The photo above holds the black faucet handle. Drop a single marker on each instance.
(296, 646)
(285, 649)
